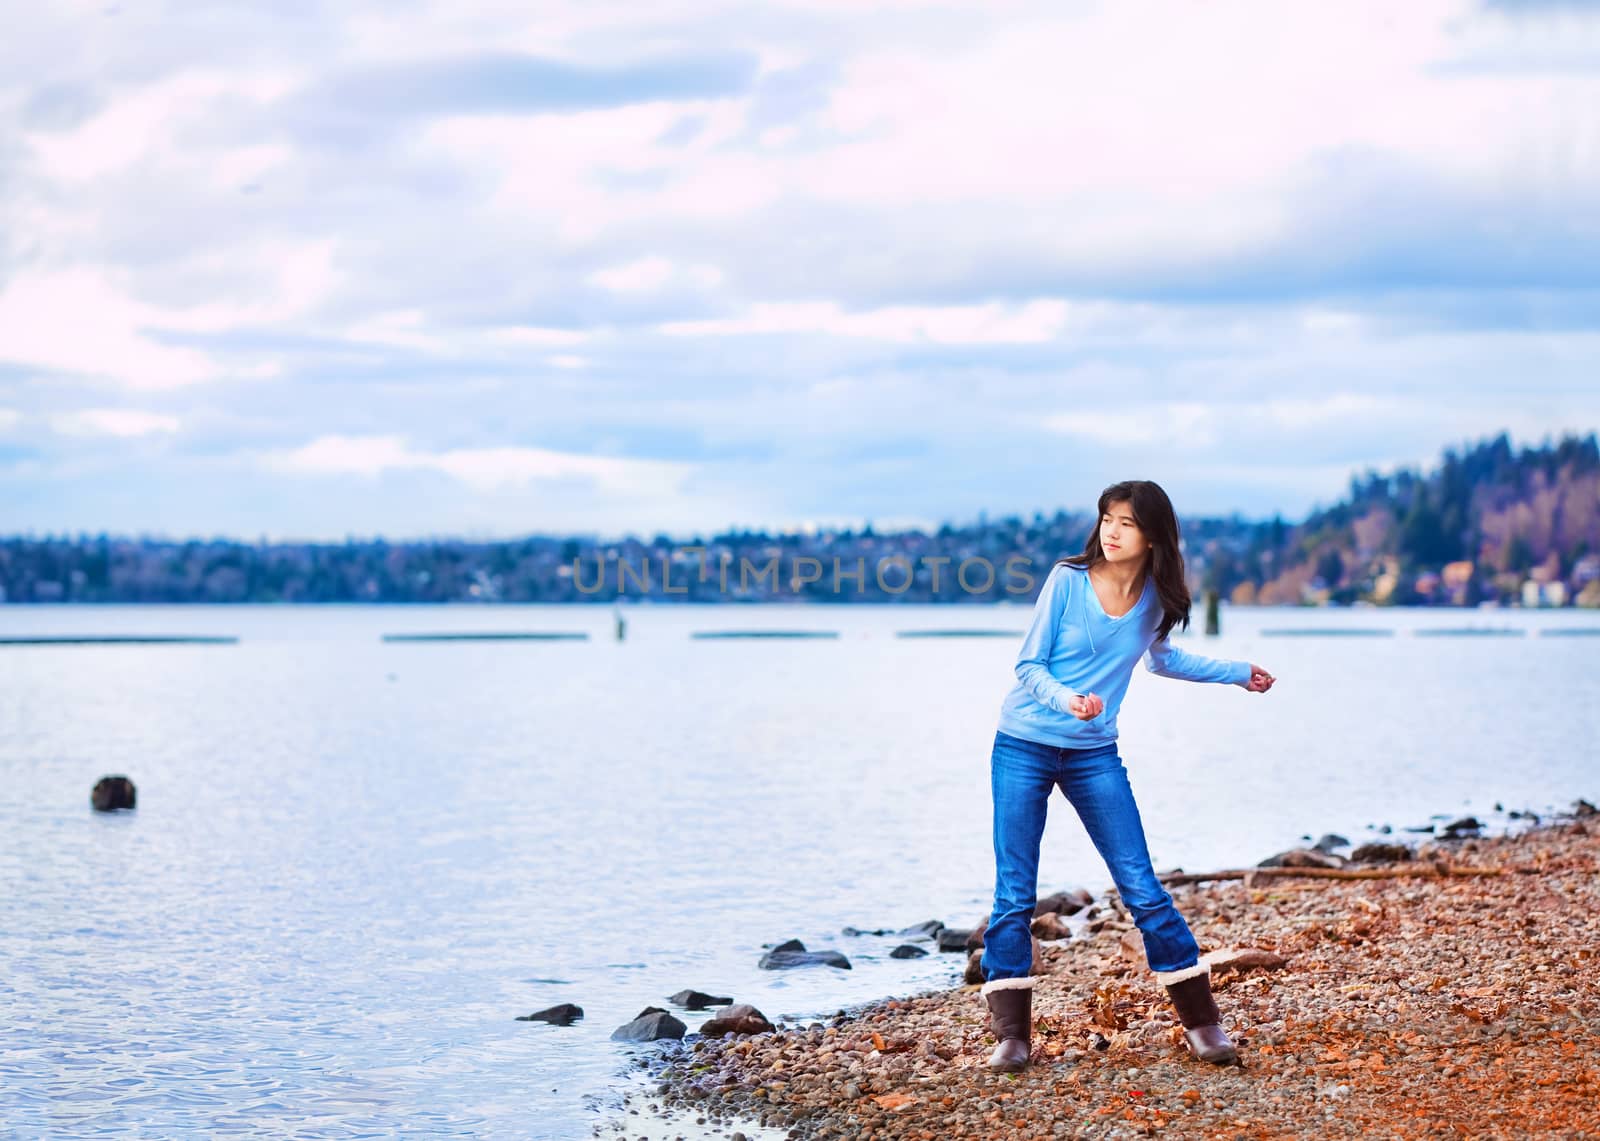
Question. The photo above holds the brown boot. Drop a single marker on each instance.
(1190, 991)
(1010, 1004)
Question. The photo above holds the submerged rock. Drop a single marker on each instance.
(1330, 841)
(907, 951)
(925, 930)
(563, 1015)
(112, 793)
(698, 1000)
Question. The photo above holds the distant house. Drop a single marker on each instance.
(1457, 575)
(1536, 594)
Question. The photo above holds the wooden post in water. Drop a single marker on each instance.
(1213, 613)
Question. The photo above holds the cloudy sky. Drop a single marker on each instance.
(307, 270)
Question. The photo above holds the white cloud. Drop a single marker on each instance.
(1101, 418)
(83, 321)
(76, 321)
(144, 120)
(652, 273)
(123, 423)
(989, 324)
(538, 337)
(483, 469)
(9, 419)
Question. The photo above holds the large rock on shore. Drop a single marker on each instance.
(740, 1019)
(1245, 959)
(651, 1024)
(1379, 853)
(973, 975)
(1049, 926)
(1301, 858)
(112, 793)
(1064, 902)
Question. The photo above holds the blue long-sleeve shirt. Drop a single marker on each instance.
(1074, 647)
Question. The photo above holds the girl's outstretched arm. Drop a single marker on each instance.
(1167, 660)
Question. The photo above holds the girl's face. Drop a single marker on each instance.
(1120, 536)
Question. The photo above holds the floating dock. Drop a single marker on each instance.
(959, 633)
(1335, 632)
(1472, 632)
(494, 636)
(120, 640)
(707, 634)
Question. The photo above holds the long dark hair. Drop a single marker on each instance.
(1152, 510)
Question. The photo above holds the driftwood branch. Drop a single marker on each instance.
(1395, 872)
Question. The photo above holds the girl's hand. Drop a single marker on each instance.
(1260, 679)
(1086, 706)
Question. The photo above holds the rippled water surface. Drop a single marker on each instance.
(354, 862)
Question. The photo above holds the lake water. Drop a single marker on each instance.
(354, 863)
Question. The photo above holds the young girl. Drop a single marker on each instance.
(1097, 615)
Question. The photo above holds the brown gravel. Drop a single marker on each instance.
(1409, 1007)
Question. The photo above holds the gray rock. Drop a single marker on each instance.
(783, 960)
(921, 931)
(653, 1023)
(1330, 841)
(907, 951)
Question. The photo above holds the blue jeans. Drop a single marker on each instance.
(1022, 776)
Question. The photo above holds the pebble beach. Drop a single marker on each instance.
(1449, 994)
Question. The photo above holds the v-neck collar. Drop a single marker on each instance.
(1095, 595)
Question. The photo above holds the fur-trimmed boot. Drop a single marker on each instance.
(1010, 1003)
(1190, 992)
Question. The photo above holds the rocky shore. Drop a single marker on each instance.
(1451, 994)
